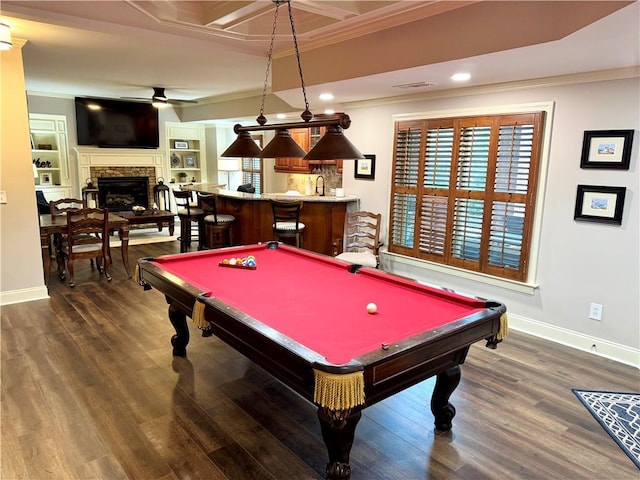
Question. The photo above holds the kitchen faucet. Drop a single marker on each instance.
(318, 178)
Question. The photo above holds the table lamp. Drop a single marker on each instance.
(229, 165)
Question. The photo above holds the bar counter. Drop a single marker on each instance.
(323, 216)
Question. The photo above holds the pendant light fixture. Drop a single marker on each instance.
(333, 146)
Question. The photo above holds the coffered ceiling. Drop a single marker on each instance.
(359, 50)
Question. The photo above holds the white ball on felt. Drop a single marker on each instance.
(372, 308)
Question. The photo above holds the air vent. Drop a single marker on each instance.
(415, 85)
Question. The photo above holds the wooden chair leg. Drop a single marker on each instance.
(106, 262)
(70, 272)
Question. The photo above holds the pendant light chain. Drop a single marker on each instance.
(261, 118)
(306, 115)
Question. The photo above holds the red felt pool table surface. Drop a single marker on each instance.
(317, 302)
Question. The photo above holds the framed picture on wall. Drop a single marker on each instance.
(599, 204)
(607, 149)
(365, 167)
(180, 145)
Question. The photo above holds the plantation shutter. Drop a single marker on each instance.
(252, 172)
(463, 191)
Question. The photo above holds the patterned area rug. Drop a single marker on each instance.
(619, 414)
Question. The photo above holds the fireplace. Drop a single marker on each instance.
(122, 193)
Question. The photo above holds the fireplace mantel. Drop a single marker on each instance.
(118, 157)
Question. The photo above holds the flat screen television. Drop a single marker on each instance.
(116, 124)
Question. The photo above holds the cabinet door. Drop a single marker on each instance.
(295, 165)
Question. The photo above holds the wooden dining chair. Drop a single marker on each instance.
(286, 221)
(64, 205)
(189, 214)
(217, 226)
(87, 237)
(361, 242)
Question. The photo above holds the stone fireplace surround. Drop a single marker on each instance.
(120, 162)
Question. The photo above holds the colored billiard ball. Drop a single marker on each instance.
(372, 308)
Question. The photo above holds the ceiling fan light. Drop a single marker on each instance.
(159, 103)
(243, 147)
(282, 146)
(334, 146)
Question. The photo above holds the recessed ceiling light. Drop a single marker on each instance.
(329, 111)
(281, 116)
(326, 96)
(460, 77)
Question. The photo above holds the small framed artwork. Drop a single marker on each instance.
(599, 204)
(189, 161)
(175, 161)
(45, 179)
(366, 167)
(180, 145)
(607, 149)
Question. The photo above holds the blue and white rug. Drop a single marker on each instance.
(619, 415)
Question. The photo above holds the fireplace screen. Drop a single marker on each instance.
(122, 193)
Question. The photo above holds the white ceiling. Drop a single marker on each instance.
(217, 49)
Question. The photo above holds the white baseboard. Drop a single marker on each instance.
(24, 295)
(586, 343)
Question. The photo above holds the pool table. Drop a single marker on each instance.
(302, 317)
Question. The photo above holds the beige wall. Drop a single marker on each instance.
(21, 274)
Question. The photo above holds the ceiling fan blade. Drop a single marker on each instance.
(177, 102)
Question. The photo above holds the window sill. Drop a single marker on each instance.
(522, 287)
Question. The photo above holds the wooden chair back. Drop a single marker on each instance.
(87, 237)
(185, 203)
(286, 220)
(64, 205)
(361, 241)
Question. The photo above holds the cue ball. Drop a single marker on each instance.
(372, 308)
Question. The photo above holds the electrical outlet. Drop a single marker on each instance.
(595, 311)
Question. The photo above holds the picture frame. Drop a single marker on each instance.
(45, 179)
(607, 149)
(190, 161)
(180, 145)
(365, 168)
(595, 203)
(175, 161)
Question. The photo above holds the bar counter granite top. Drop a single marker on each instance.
(214, 188)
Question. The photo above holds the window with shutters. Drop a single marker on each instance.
(252, 173)
(463, 191)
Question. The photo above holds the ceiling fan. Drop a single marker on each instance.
(159, 99)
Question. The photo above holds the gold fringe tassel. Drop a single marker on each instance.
(197, 315)
(136, 274)
(504, 328)
(338, 392)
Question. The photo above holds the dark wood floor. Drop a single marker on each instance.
(90, 391)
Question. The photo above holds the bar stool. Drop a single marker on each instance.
(286, 221)
(188, 215)
(217, 226)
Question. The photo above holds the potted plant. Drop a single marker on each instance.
(182, 177)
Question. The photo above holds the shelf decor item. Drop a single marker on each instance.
(189, 161)
(365, 168)
(180, 145)
(175, 161)
(45, 179)
(607, 149)
(182, 176)
(600, 204)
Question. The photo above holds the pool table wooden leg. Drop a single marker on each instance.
(181, 339)
(443, 411)
(338, 435)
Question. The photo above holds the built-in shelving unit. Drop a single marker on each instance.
(186, 152)
(50, 155)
